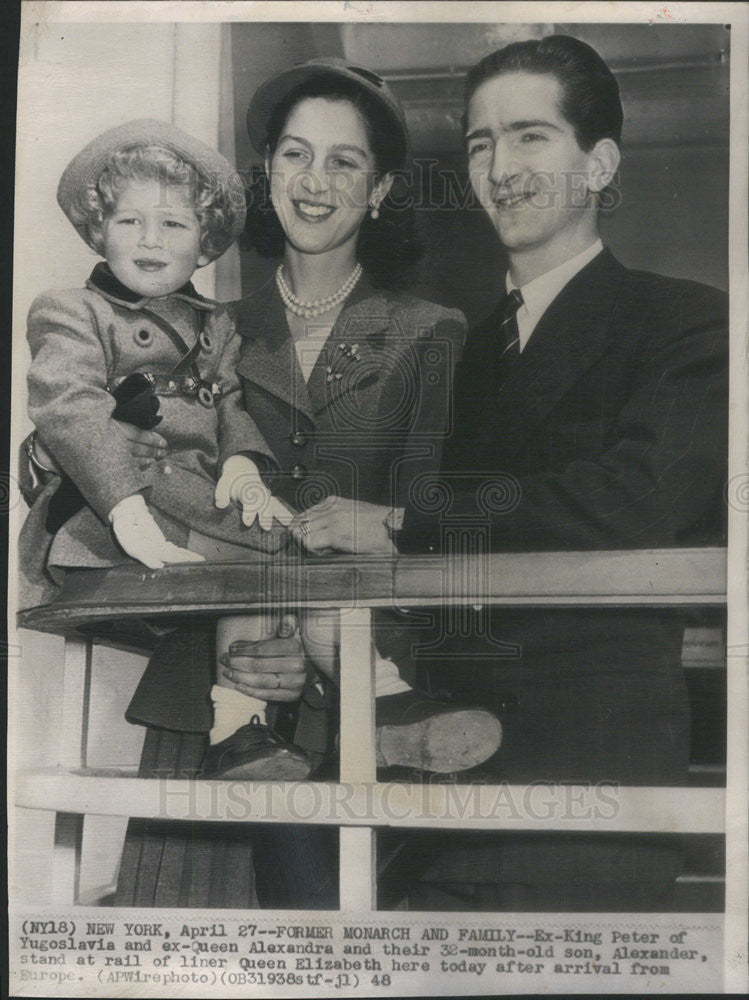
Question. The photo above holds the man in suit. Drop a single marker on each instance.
(590, 412)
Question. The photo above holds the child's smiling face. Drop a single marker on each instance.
(152, 237)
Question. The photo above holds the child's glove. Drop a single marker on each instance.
(240, 481)
(140, 536)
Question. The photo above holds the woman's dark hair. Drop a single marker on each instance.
(388, 246)
(590, 93)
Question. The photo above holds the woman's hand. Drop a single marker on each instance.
(240, 481)
(340, 525)
(146, 447)
(270, 669)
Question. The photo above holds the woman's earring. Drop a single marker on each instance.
(375, 213)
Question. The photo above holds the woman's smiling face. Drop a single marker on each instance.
(323, 175)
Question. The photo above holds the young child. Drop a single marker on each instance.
(157, 204)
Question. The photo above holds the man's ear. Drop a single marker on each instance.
(604, 160)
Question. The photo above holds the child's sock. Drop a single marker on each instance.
(387, 678)
(231, 710)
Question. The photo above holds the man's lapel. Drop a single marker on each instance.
(569, 338)
(268, 357)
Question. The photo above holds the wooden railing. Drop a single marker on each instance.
(127, 605)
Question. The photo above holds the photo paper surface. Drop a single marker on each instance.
(448, 366)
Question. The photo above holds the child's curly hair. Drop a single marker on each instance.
(214, 203)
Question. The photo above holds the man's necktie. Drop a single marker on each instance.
(508, 325)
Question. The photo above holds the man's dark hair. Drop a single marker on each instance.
(590, 94)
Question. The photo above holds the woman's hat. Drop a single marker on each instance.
(268, 96)
(84, 170)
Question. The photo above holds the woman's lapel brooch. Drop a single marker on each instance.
(344, 359)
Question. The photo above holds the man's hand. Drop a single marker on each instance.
(140, 536)
(343, 526)
(241, 482)
(270, 669)
(146, 447)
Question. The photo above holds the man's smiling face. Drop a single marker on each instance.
(527, 168)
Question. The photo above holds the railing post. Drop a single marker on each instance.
(71, 753)
(357, 844)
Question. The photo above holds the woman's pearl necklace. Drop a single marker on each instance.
(311, 310)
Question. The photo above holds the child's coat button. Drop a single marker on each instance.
(143, 338)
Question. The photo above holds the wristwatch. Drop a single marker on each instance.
(394, 522)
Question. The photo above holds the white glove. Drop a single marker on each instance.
(140, 536)
(241, 482)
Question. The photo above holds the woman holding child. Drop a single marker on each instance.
(344, 384)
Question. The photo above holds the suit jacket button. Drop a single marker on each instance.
(298, 472)
(167, 470)
(298, 438)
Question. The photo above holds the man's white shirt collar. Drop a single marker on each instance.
(541, 292)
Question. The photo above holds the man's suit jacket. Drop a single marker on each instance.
(609, 432)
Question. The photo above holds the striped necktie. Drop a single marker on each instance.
(508, 324)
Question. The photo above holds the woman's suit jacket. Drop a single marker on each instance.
(375, 410)
(364, 435)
